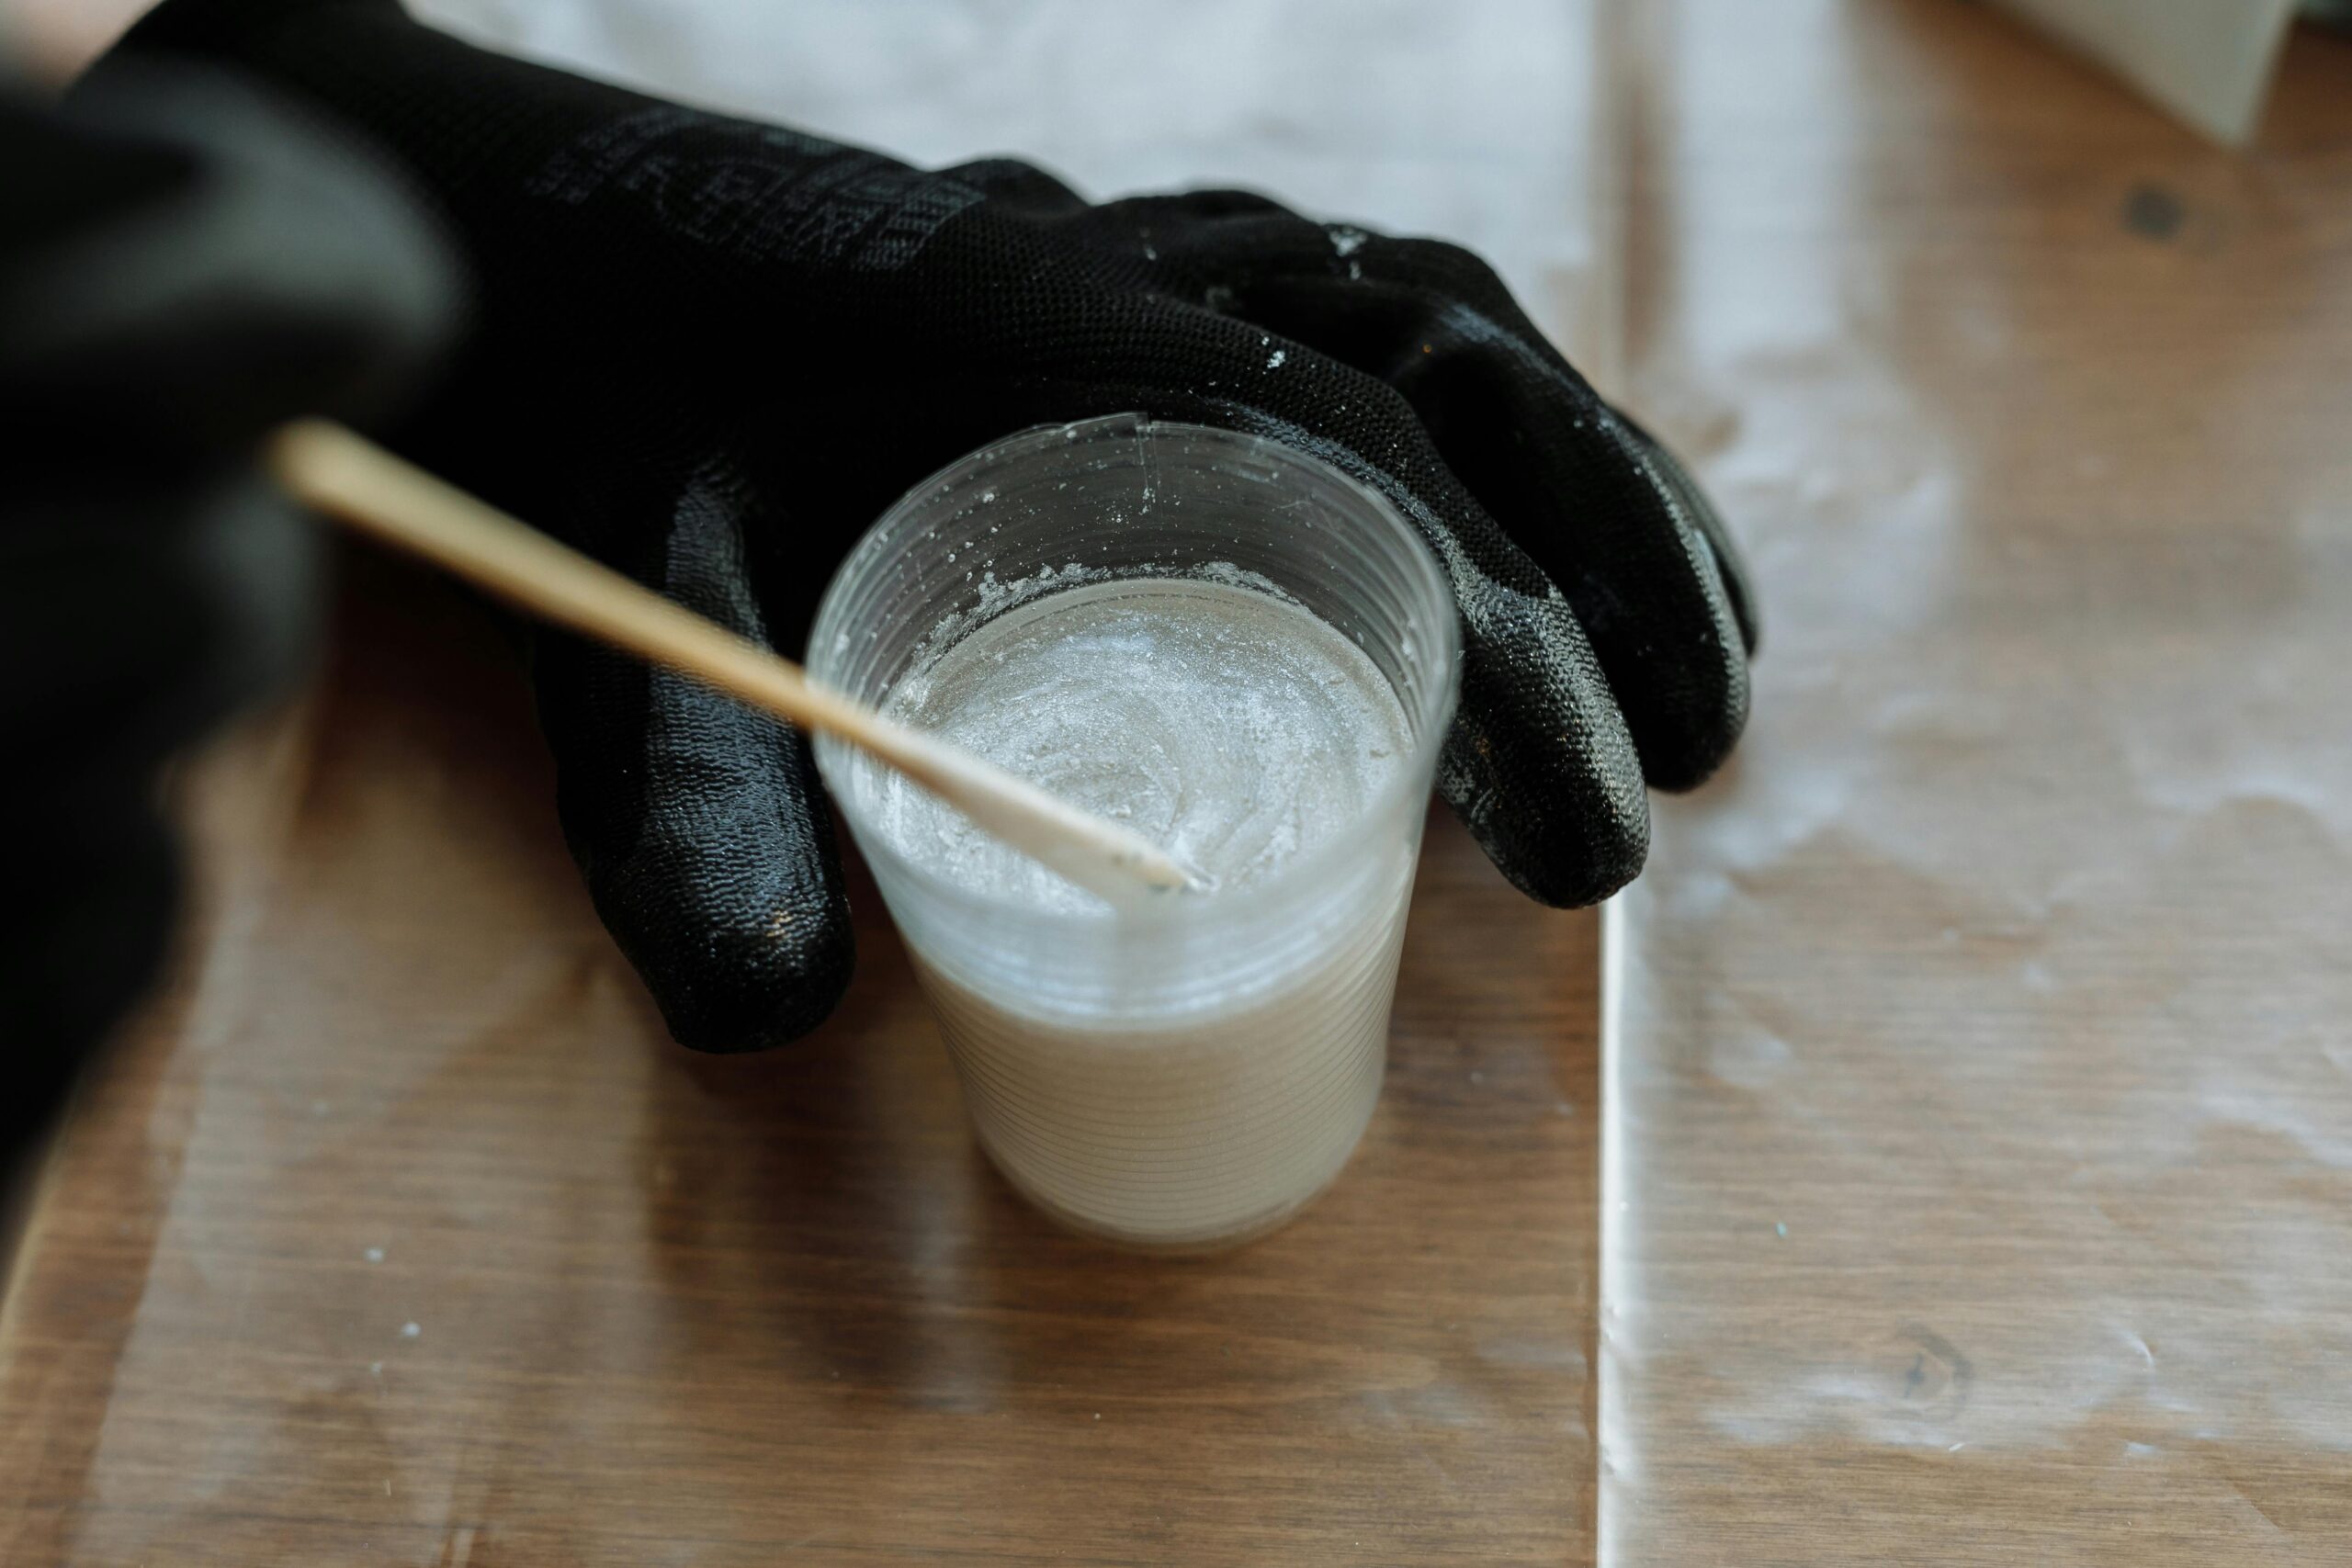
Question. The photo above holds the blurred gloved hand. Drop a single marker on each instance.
(181, 266)
(711, 352)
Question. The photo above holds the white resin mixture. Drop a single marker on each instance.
(1228, 727)
(1184, 1081)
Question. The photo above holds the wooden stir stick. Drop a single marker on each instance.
(342, 474)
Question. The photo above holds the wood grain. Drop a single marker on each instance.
(1977, 1185)
(1981, 1190)
(677, 1309)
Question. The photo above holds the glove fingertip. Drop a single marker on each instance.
(1733, 576)
(757, 983)
(1563, 858)
(1541, 770)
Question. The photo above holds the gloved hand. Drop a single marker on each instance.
(711, 352)
(180, 267)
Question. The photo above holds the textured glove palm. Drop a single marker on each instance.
(710, 352)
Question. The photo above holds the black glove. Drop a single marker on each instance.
(180, 267)
(711, 352)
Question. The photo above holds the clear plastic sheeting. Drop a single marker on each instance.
(1979, 1185)
(400, 1235)
(1978, 1175)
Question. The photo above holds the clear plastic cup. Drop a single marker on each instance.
(1191, 1072)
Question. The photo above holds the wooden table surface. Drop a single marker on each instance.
(1978, 1121)
(672, 1310)
(1981, 1114)
(401, 1234)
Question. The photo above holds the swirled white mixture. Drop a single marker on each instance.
(1232, 727)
